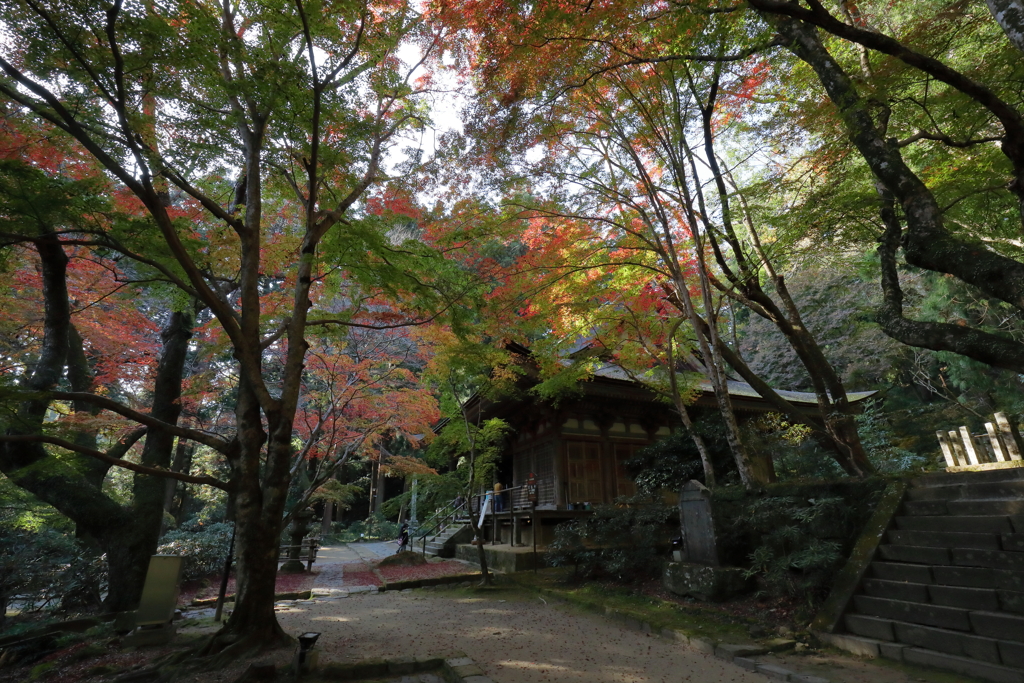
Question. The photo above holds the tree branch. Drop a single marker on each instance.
(99, 455)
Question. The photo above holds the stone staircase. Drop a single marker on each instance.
(443, 544)
(946, 585)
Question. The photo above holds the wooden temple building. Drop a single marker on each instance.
(577, 449)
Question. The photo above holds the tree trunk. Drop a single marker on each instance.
(259, 512)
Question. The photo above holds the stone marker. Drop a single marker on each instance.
(699, 525)
(154, 619)
(700, 574)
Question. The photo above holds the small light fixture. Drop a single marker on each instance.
(307, 641)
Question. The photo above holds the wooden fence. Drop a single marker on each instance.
(1001, 442)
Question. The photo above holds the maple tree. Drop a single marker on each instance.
(622, 143)
(68, 310)
(251, 156)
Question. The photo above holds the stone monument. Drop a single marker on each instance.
(700, 574)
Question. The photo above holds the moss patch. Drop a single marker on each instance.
(625, 602)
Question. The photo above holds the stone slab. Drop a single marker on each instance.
(892, 651)
(730, 651)
(746, 663)
(774, 672)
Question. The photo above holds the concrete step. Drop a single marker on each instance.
(945, 539)
(978, 524)
(973, 491)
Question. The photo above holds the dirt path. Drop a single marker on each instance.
(514, 638)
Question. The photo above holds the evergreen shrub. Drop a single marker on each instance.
(623, 541)
(204, 547)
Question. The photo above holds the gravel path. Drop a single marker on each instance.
(518, 638)
(515, 639)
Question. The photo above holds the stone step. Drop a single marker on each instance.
(944, 539)
(1008, 507)
(996, 559)
(915, 554)
(952, 618)
(899, 571)
(998, 625)
(870, 627)
(979, 524)
(939, 639)
(934, 479)
(977, 577)
(972, 491)
(963, 665)
(968, 654)
(982, 595)
(896, 590)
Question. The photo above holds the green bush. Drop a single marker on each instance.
(373, 528)
(45, 569)
(800, 546)
(620, 541)
(204, 547)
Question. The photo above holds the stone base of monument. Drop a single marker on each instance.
(292, 567)
(703, 582)
(159, 634)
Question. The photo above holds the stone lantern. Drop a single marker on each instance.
(297, 531)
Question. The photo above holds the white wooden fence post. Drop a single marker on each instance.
(947, 450)
(1011, 437)
(969, 445)
(997, 445)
